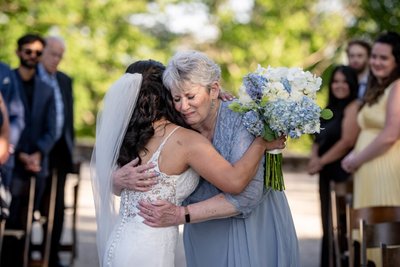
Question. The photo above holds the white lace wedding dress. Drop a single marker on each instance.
(132, 243)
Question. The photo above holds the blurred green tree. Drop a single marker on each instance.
(104, 36)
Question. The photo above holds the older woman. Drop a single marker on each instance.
(253, 228)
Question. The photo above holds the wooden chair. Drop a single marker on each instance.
(341, 195)
(373, 235)
(25, 234)
(72, 246)
(390, 256)
(48, 229)
(370, 215)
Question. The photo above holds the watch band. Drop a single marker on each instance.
(187, 214)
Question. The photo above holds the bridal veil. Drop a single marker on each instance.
(112, 122)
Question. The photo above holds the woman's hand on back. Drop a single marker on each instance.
(161, 213)
(225, 96)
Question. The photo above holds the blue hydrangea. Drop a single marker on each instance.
(253, 123)
(290, 116)
(293, 118)
(254, 84)
(286, 85)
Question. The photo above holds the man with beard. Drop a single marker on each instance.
(35, 143)
(358, 52)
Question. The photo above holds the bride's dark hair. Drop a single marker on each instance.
(154, 102)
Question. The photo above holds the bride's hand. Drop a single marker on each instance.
(134, 177)
(160, 213)
(225, 96)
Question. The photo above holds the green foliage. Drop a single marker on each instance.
(269, 135)
(326, 114)
(102, 41)
(373, 17)
(99, 38)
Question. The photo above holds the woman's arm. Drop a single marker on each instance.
(209, 164)
(385, 139)
(314, 165)
(349, 134)
(4, 133)
(162, 213)
(350, 131)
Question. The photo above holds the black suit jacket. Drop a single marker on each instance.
(61, 155)
(40, 125)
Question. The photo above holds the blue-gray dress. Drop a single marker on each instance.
(263, 235)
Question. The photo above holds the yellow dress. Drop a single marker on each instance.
(376, 182)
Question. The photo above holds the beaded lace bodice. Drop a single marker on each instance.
(173, 188)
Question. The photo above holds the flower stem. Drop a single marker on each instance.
(273, 172)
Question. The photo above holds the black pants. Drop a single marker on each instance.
(324, 195)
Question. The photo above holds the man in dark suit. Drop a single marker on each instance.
(36, 140)
(61, 156)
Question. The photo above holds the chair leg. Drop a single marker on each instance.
(29, 217)
(335, 229)
(50, 221)
(2, 228)
(363, 247)
(74, 218)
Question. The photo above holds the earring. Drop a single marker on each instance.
(212, 103)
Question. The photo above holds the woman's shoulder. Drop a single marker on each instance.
(395, 85)
(394, 93)
(228, 117)
(353, 106)
(189, 135)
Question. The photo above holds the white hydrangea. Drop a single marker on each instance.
(243, 96)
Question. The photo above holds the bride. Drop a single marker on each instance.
(139, 121)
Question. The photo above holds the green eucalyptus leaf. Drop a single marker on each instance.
(326, 114)
(268, 135)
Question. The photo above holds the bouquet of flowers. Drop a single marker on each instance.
(279, 101)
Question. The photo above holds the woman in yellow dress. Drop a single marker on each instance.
(375, 160)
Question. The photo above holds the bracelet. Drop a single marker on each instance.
(187, 214)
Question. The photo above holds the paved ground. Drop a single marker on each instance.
(302, 194)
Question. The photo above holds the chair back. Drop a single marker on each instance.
(373, 235)
(341, 194)
(371, 215)
(390, 256)
(359, 218)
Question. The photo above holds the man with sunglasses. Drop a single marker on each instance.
(36, 141)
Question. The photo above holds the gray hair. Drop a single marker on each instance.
(190, 67)
(55, 39)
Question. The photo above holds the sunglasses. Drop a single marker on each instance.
(29, 52)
